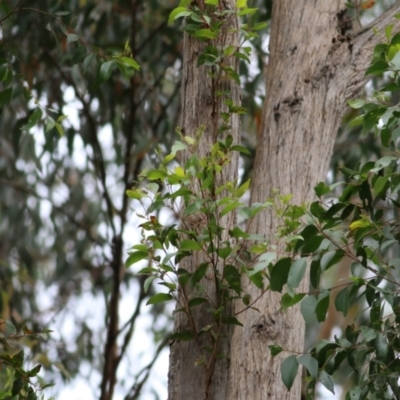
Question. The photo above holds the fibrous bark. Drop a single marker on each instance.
(316, 63)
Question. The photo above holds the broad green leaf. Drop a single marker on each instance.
(368, 333)
(189, 244)
(289, 371)
(322, 305)
(159, 298)
(310, 363)
(242, 189)
(241, 3)
(381, 346)
(10, 329)
(380, 184)
(199, 273)
(177, 13)
(355, 393)
(358, 103)
(249, 11)
(307, 307)
(135, 257)
(238, 233)
(327, 381)
(34, 119)
(130, 62)
(72, 37)
(342, 301)
(331, 258)
(288, 301)
(275, 349)
(195, 301)
(377, 68)
(279, 274)
(240, 149)
(148, 282)
(5, 96)
(296, 272)
(205, 33)
(135, 194)
(106, 69)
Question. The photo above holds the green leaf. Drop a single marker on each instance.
(381, 346)
(178, 146)
(310, 363)
(196, 301)
(368, 333)
(327, 381)
(147, 283)
(257, 279)
(377, 68)
(199, 273)
(189, 244)
(212, 2)
(322, 305)
(238, 233)
(240, 149)
(34, 371)
(296, 272)
(331, 258)
(10, 329)
(130, 62)
(307, 307)
(205, 33)
(184, 335)
(106, 70)
(380, 184)
(178, 12)
(135, 194)
(354, 393)
(33, 119)
(357, 103)
(72, 37)
(249, 11)
(288, 301)
(275, 349)
(155, 174)
(342, 301)
(289, 371)
(241, 3)
(159, 298)
(135, 257)
(279, 274)
(321, 189)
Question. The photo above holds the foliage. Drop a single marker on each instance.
(358, 222)
(15, 382)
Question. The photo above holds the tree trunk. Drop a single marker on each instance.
(316, 62)
(201, 109)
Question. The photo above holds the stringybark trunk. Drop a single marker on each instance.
(316, 63)
(200, 109)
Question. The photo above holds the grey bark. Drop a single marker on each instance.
(316, 63)
(201, 109)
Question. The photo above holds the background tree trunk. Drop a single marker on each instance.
(316, 63)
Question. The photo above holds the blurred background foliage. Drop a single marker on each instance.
(71, 143)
